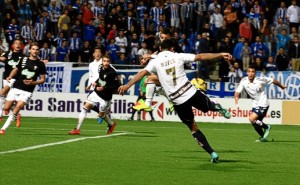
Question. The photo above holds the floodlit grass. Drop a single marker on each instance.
(160, 153)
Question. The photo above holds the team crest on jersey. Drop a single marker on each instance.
(28, 73)
(12, 63)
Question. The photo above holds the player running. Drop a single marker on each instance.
(256, 89)
(29, 72)
(10, 60)
(104, 88)
(169, 68)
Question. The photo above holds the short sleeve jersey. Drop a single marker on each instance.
(256, 90)
(28, 69)
(12, 60)
(169, 68)
(94, 71)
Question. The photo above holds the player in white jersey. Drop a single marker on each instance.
(256, 89)
(169, 67)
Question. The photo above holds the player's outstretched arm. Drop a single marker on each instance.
(123, 88)
(211, 56)
(276, 82)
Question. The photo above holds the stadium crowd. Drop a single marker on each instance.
(260, 32)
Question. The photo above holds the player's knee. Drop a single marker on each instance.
(188, 122)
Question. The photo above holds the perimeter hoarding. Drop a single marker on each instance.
(70, 104)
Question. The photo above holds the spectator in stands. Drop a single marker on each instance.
(281, 13)
(280, 26)
(12, 31)
(222, 32)
(245, 29)
(63, 23)
(265, 31)
(172, 13)
(155, 12)
(27, 46)
(186, 17)
(294, 54)
(259, 65)
(282, 40)
(75, 44)
(133, 49)
(237, 51)
(54, 14)
(246, 55)
(3, 48)
(143, 50)
(85, 54)
(24, 12)
(201, 14)
(121, 61)
(282, 60)
(230, 16)
(121, 41)
(212, 6)
(235, 74)
(216, 21)
(113, 50)
(129, 21)
(258, 46)
(89, 32)
(294, 33)
(293, 14)
(77, 27)
(27, 31)
(87, 14)
(45, 52)
(271, 65)
(62, 52)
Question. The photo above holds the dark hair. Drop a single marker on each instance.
(167, 31)
(167, 44)
(252, 67)
(34, 44)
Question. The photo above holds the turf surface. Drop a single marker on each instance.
(159, 153)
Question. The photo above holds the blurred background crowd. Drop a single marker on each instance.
(264, 33)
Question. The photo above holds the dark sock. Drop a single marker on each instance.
(201, 139)
(133, 113)
(151, 115)
(258, 129)
(265, 126)
(96, 109)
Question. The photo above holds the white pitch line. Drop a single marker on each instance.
(59, 143)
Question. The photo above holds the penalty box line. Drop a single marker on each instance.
(60, 143)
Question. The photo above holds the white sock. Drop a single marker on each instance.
(150, 90)
(108, 120)
(2, 100)
(81, 117)
(10, 119)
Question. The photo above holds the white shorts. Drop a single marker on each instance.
(9, 83)
(18, 95)
(174, 22)
(94, 99)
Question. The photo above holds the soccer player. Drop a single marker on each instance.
(152, 81)
(10, 60)
(169, 67)
(104, 87)
(256, 89)
(29, 72)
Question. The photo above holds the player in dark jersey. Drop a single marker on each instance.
(104, 88)
(29, 72)
(10, 60)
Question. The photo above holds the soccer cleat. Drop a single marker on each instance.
(74, 132)
(2, 132)
(130, 119)
(222, 111)
(267, 132)
(111, 128)
(261, 139)
(141, 105)
(214, 157)
(100, 120)
(18, 121)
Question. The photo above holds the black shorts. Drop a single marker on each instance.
(199, 101)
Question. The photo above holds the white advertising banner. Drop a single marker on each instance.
(70, 104)
(58, 78)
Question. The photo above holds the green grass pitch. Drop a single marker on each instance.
(145, 153)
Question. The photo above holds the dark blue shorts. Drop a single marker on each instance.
(260, 111)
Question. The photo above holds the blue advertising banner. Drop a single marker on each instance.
(290, 79)
(80, 79)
